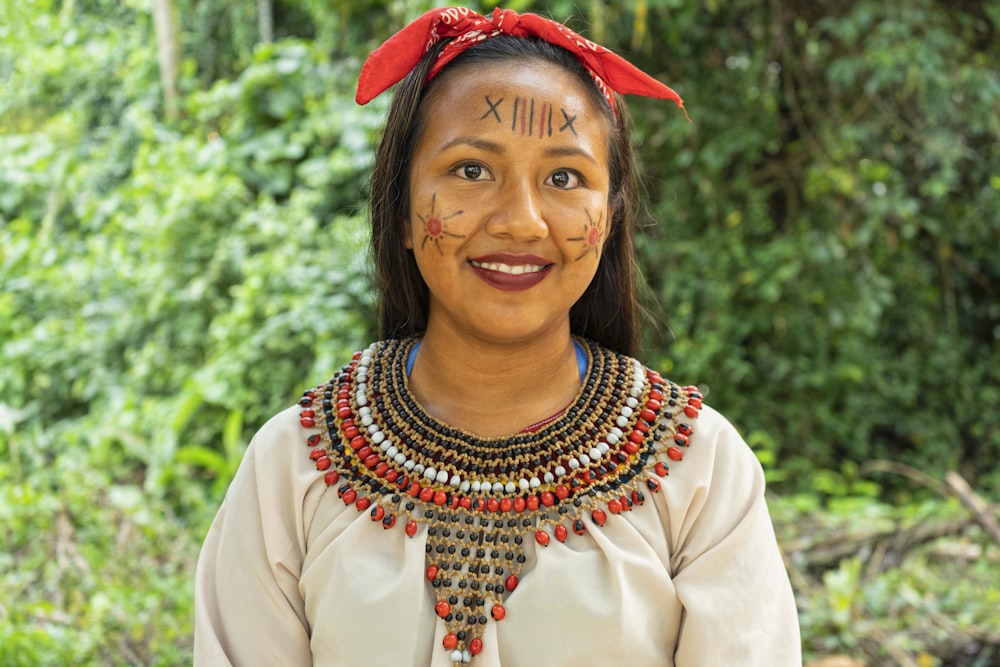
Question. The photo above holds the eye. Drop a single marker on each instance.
(564, 179)
(472, 171)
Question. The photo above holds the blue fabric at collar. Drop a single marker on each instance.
(581, 359)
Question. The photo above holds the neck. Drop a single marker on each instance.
(491, 388)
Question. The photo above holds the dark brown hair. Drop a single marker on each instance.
(608, 312)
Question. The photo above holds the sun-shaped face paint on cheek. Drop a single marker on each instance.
(591, 237)
(434, 229)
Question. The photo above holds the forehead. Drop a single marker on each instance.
(540, 100)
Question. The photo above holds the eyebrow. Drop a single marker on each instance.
(498, 149)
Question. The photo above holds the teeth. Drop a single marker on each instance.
(515, 270)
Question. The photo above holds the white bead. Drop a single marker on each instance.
(367, 420)
(621, 422)
(626, 411)
(584, 459)
(455, 481)
(475, 486)
(419, 468)
(560, 471)
(549, 477)
(430, 473)
(377, 436)
(410, 464)
(498, 487)
(466, 657)
(400, 459)
(602, 447)
(465, 486)
(573, 464)
(485, 486)
(372, 428)
(364, 411)
(362, 400)
(442, 476)
(456, 656)
(385, 445)
(523, 484)
(595, 454)
(615, 431)
(392, 451)
(632, 402)
(510, 487)
(535, 482)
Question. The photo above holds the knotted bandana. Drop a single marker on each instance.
(390, 62)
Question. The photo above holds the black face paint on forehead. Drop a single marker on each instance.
(526, 116)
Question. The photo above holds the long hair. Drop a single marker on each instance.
(608, 312)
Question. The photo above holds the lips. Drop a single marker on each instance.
(511, 273)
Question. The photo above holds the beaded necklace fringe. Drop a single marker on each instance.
(480, 498)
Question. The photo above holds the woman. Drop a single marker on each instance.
(489, 484)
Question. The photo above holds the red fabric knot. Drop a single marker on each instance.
(399, 54)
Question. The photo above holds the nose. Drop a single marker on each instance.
(518, 212)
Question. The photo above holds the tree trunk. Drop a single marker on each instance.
(265, 20)
(169, 55)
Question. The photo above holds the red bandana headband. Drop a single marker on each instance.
(399, 54)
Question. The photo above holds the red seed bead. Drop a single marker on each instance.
(626, 504)
(653, 484)
(389, 521)
(307, 413)
(681, 440)
(431, 573)
(642, 427)
(506, 504)
(630, 447)
(450, 641)
(440, 498)
(532, 502)
(479, 504)
(684, 429)
(562, 492)
(653, 404)
(542, 538)
(331, 477)
(637, 497)
(317, 453)
(392, 476)
(614, 506)
(599, 517)
(499, 613)
(442, 608)
(364, 452)
(350, 496)
(323, 462)
(357, 442)
(561, 533)
(382, 469)
(510, 583)
(465, 503)
(363, 503)
(579, 527)
(519, 504)
(377, 513)
(675, 453)
(661, 469)
(648, 415)
(351, 432)
(371, 461)
(413, 490)
(411, 528)
(493, 505)
(548, 498)
(476, 646)
(344, 413)
(696, 402)
(636, 436)
(426, 494)
(691, 411)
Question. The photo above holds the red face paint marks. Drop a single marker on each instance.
(434, 229)
(591, 237)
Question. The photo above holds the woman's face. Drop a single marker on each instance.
(508, 199)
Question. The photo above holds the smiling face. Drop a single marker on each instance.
(508, 199)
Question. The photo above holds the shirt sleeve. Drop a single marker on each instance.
(249, 608)
(738, 606)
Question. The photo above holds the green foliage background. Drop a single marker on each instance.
(822, 250)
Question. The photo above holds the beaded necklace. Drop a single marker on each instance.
(480, 498)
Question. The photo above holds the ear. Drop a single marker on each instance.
(407, 233)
